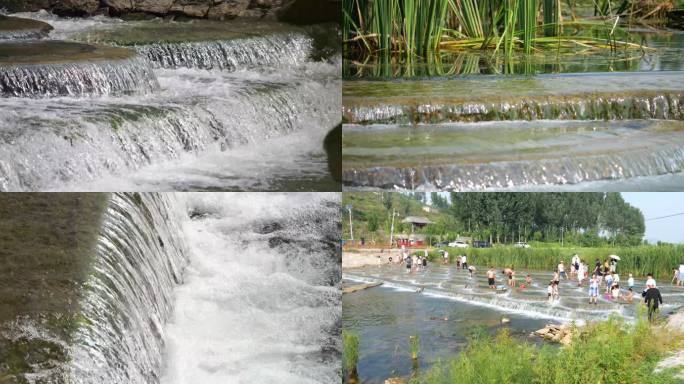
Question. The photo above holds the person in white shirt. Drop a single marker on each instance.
(630, 281)
(464, 262)
(561, 271)
(680, 279)
(580, 274)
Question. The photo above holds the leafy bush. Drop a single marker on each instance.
(608, 352)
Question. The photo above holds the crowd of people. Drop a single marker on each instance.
(603, 277)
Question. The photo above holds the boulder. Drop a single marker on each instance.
(119, 6)
(228, 9)
(556, 333)
(192, 10)
(160, 7)
(76, 7)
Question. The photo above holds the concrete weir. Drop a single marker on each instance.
(85, 286)
(60, 68)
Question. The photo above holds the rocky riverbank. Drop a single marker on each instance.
(293, 11)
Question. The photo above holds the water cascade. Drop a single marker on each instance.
(133, 307)
(231, 55)
(512, 132)
(188, 92)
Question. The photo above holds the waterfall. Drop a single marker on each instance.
(102, 77)
(262, 299)
(76, 141)
(231, 55)
(185, 288)
(508, 174)
(128, 299)
(587, 107)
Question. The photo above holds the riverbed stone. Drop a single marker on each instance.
(77, 7)
(293, 11)
(227, 10)
(20, 28)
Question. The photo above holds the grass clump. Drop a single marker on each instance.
(417, 28)
(414, 340)
(350, 353)
(608, 352)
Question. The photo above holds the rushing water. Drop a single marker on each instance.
(261, 302)
(213, 98)
(181, 288)
(450, 306)
(570, 120)
(509, 133)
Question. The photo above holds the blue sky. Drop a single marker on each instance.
(657, 204)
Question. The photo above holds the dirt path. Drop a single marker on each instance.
(368, 257)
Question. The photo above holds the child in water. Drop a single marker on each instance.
(549, 291)
(593, 290)
(630, 295)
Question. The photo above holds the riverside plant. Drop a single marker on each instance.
(414, 341)
(608, 352)
(350, 354)
(420, 28)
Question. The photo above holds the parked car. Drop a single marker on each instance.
(481, 244)
(521, 244)
(458, 244)
(441, 244)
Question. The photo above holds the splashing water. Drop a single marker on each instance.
(249, 282)
(195, 114)
(261, 301)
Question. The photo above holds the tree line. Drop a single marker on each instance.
(589, 219)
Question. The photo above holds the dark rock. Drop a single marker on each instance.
(228, 9)
(333, 147)
(161, 7)
(310, 11)
(293, 11)
(76, 7)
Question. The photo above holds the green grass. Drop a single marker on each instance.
(640, 260)
(413, 28)
(350, 354)
(414, 341)
(608, 352)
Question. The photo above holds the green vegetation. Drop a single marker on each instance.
(558, 219)
(414, 340)
(372, 214)
(46, 247)
(608, 352)
(413, 28)
(350, 354)
(640, 260)
(590, 219)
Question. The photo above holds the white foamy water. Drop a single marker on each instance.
(261, 302)
(257, 126)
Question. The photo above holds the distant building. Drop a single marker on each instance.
(410, 240)
(426, 209)
(416, 221)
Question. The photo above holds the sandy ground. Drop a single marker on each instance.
(368, 257)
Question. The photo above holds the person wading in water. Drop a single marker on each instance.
(653, 299)
(491, 278)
